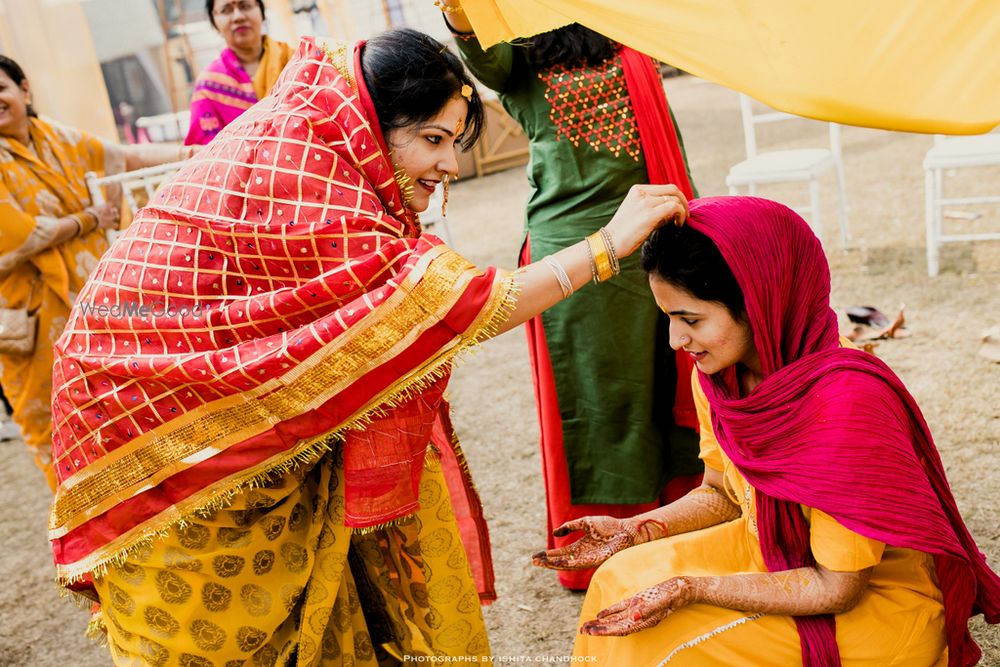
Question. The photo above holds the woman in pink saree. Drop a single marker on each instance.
(242, 74)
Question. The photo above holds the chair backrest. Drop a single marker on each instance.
(751, 119)
(165, 126)
(146, 180)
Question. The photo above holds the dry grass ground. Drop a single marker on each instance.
(494, 407)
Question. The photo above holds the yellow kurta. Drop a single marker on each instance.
(899, 620)
(37, 185)
(277, 574)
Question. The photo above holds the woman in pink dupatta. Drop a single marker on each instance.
(242, 74)
(825, 532)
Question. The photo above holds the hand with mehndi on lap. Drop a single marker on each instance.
(603, 537)
(643, 610)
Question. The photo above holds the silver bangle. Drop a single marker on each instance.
(612, 253)
(560, 273)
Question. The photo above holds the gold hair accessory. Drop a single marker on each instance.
(467, 92)
(448, 9)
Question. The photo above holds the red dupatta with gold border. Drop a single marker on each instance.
(274, 299)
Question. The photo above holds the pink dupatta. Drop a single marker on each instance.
(830, 428)
(222, 92)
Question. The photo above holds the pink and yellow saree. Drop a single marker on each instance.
(224, 90)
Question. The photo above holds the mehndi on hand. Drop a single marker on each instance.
(603, 537)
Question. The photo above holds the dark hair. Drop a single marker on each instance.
(210, 6)
(16, 74)
(689, 260)
(411, 76)
(571, 45)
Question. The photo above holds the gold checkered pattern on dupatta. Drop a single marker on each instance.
(273, 299)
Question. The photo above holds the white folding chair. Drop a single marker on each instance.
(165, 126)
(147, 179)
(946, 155)
(786, 166)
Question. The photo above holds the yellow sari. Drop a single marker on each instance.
(39, 184)
(899, 620)
(277, 578)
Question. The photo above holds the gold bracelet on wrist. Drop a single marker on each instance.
(82, 219)
(601, 257)
(75, 217)
(448, 9)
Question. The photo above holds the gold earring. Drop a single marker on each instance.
(444, 197)
(403, 180)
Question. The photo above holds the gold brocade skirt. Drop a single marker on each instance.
(277, 579)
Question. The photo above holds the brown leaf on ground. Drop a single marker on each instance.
(854, 333)
(894, 330)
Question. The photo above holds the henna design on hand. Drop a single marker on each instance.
(603, 537)
(804, 591)
(643, 610)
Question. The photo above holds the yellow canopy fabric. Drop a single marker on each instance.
(927, 66)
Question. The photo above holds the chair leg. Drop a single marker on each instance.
(815, 220)
(752, 189)
(733, 191)
(931, 181)
(845, 235)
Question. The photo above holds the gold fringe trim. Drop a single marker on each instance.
(222, 494)
(399, 521)
(97, 631)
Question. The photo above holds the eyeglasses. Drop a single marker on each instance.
(244, 6)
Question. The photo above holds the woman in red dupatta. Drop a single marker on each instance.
(253, 451)
(825, 532)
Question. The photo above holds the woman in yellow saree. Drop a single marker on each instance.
(51, 240)
(825, 532)
(262, 469)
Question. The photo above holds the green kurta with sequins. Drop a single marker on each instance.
(614, 371)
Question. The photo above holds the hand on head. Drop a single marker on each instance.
(645, 208)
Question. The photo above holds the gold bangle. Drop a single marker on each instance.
(448, 9)
(81, 218)
(601, 258)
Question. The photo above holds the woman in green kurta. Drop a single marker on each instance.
(600, 362)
